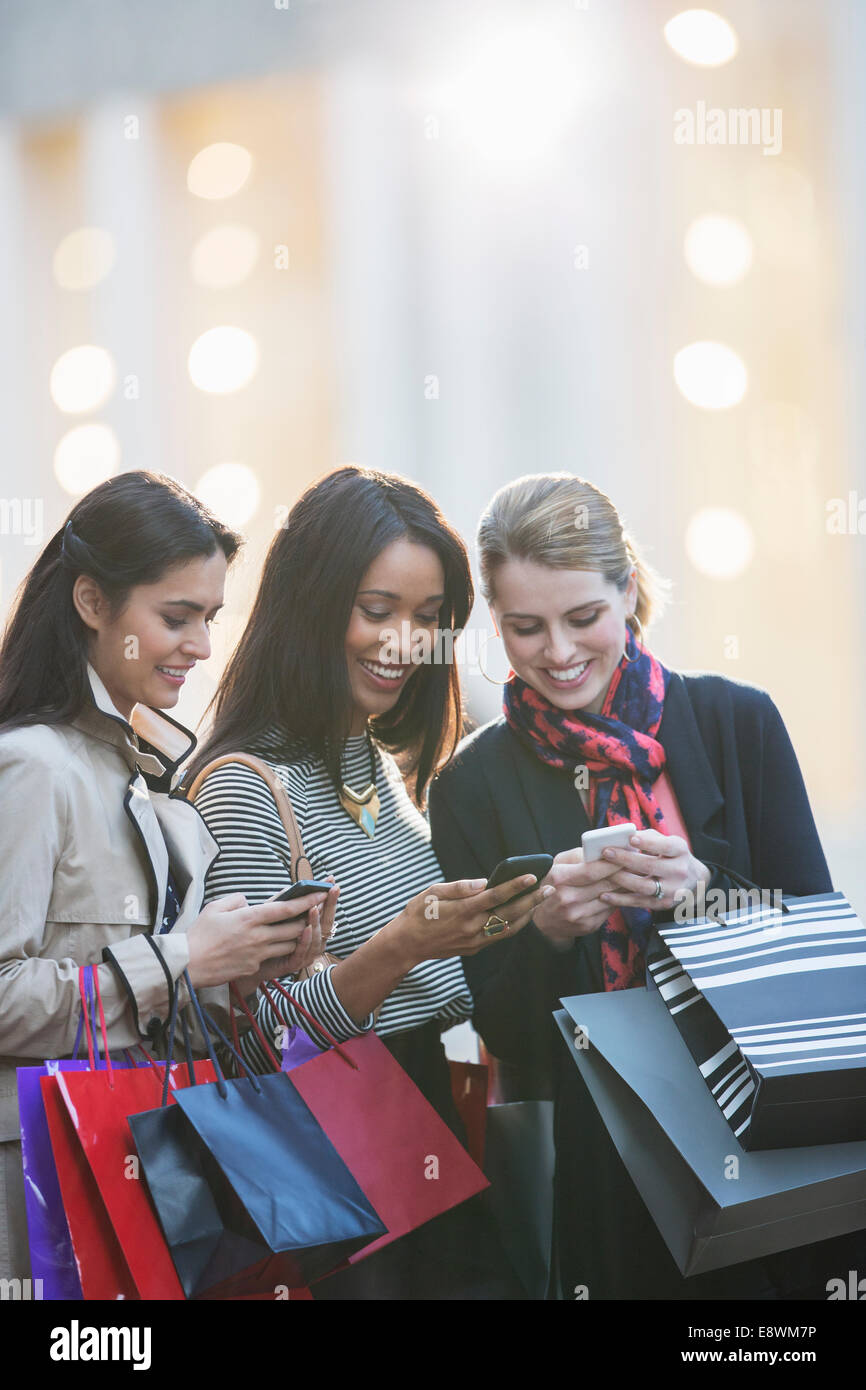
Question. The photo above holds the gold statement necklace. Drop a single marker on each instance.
(363, 806)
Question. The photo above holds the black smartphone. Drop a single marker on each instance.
(538, 864)
(301, 889)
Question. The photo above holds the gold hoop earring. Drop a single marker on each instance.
(506, 679)
(632, 659)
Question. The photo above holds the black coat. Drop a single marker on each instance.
(736, 777)
(741, 793)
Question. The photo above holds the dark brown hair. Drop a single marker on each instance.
(289, 668)
(127, 531)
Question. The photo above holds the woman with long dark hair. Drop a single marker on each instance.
(326, 686)
(595, 731)
(101, 863)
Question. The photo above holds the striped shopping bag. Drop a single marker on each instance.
(771, 1003)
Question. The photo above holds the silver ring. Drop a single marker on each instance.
(658, 892)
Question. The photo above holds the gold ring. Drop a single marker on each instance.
(494, 925)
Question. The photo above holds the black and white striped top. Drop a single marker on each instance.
(377, 877)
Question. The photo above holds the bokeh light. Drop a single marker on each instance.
(219, 171)
(86, 456)
(83, 258)
(82, 379)
(223, 359)
(718, 250)
(710, 375)
(719, 542)
(232, 492)
(701, 37)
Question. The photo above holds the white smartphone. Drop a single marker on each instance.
(592, 842)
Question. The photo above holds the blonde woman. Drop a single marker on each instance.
(595, 730)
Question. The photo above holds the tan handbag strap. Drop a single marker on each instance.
(290, 825)
(300, 864)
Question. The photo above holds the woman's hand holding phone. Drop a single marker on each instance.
(231, 941)
(448, 919)
(575, 907)
(653, 859)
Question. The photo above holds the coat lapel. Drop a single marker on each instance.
(139, 808)
(192, 850)
(691, 773)
(552, 800)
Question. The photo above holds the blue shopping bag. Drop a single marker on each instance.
(264, 1182)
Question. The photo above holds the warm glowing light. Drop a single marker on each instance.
(223, 359)
(219, 171)
(718, 250)
(719, 542)
(224, 256)
(83, 258)
(514, 98)
(82, 379)
(710, 375)
(701, 37)
(86, 456)
(231, 490)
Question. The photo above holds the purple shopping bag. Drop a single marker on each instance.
(298, 1047)
(51, 1259)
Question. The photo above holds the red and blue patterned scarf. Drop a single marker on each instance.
(620, 749)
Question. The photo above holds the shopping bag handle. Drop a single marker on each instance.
(169, 1050)
(187, 1047)
(742, 881)
(85, 1005)
(244, 1007)
(220, 1079)
(82, 990)
(332, 1041)
(247, 1072)
(79, 1032)
(269, 1052)
(206, 1022)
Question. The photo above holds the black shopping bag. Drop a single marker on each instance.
(771, 1002)
(713, 1204)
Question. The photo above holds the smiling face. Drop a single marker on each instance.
(403, 589)
(170, 624)
(563, 630)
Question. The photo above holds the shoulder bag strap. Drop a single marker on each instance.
(300, 864)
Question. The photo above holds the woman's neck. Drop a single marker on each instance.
(359, 723)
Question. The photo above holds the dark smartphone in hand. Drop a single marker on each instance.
(301, 889)
(538, 864)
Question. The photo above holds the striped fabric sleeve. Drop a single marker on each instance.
(254, 859)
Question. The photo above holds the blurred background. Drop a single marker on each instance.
(243, 243)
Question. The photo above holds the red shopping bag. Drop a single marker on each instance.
(102, 1271)
(400, 1151)
(115, 1233)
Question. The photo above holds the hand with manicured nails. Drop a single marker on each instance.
(231, 941)
(448, 918)
(654, 857)
(312, 942)
(575, 907)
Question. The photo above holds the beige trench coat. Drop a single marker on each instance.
(85, 846)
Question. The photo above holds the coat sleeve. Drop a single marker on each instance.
(39, 1000)
(516, 983)
(783, 837)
